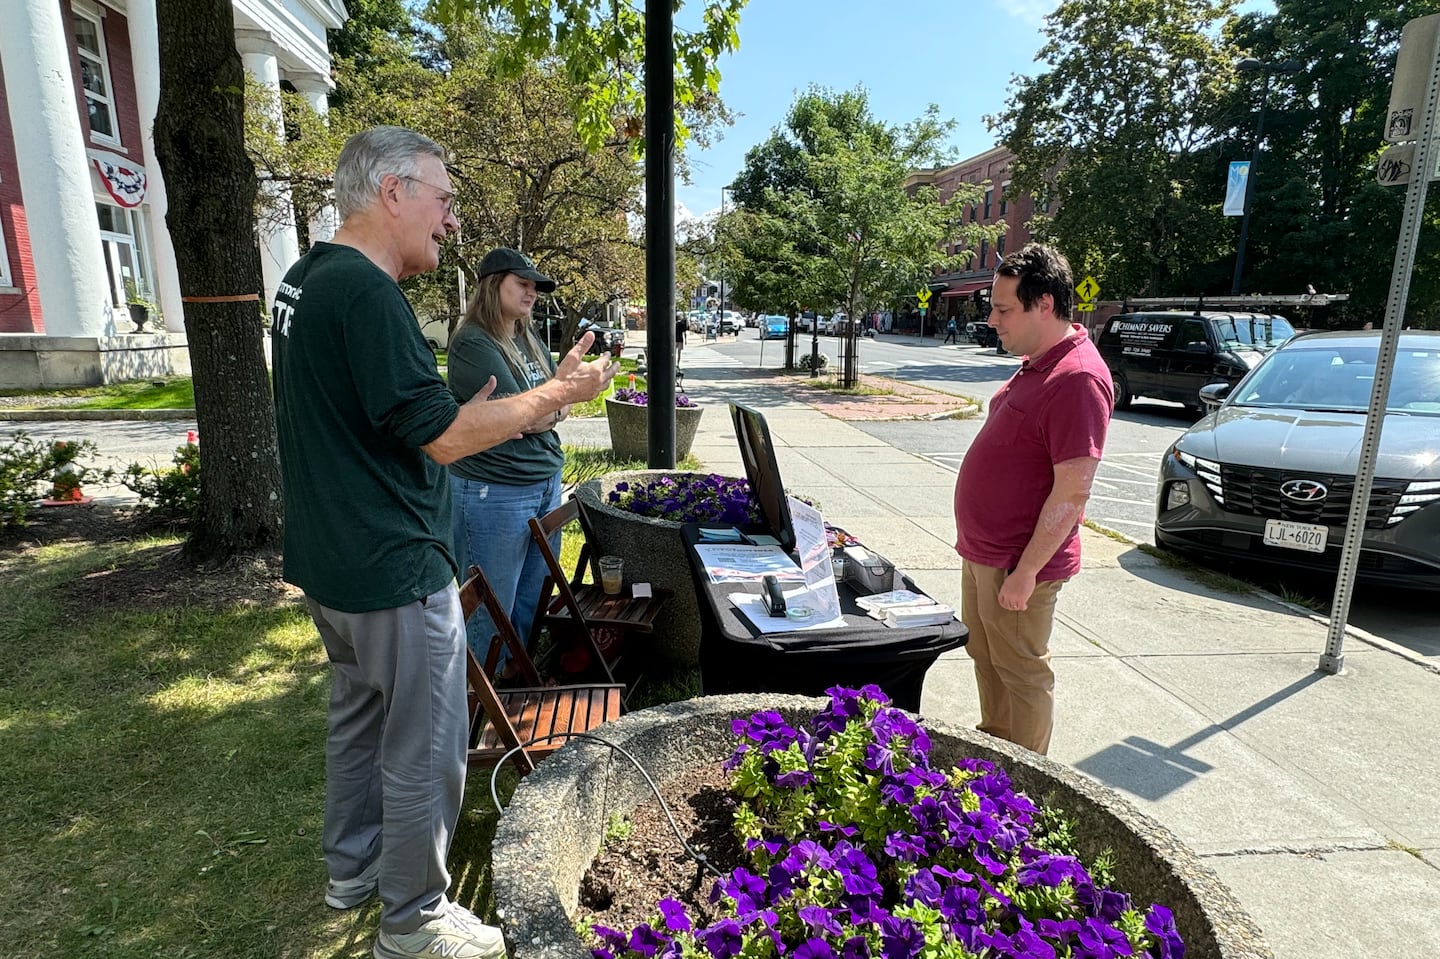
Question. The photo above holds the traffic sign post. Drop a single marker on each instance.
(922, 299)
(1412, 115)
(1088, 289)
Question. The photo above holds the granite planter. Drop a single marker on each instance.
(556, 822)
(653, 554)
(630, 429)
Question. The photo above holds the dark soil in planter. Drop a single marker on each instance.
(631, 875)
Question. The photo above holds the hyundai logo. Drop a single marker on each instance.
(1304, 491)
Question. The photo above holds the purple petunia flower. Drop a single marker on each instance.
(673, 912)
(645, 940)
(1160, 923)
(1026, 943)
(814, 948)
(923, 888)
(746, 888)
(856, 947)
(723, 940)
(900, 938)
(820, 919)
(1098, 939)
(1048, 870)
(905, 847)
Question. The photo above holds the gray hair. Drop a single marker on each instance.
(370, 156)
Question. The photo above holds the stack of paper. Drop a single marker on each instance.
(877, 605)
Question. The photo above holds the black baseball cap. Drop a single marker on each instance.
(502, 259)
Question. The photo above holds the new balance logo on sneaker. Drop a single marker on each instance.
(457, 934)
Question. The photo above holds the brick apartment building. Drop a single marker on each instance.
(82, 200)
(991, 171)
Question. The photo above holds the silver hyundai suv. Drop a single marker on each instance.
(1268, 474)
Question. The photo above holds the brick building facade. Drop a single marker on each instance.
(989, 171)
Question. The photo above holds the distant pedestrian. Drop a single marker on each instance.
(1022, 490)
(680, 328)
(951, 329)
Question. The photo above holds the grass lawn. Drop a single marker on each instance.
(162, 741)
(172, 393)
(178, 393)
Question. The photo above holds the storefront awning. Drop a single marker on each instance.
(965, 289)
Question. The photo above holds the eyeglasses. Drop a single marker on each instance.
(447, 196)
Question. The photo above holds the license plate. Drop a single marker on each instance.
(1309, 537)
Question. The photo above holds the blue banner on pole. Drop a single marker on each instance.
(1235, 188)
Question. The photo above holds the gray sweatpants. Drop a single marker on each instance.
(395, 760)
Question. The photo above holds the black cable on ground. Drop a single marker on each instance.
(699, 857)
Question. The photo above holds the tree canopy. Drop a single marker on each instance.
(1140, 108)
(823, 215)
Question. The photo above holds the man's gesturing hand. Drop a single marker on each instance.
(583, 380)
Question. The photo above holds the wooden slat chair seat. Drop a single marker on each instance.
(570, 603)
(502, 720)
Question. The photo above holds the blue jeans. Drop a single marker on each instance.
(492, 531)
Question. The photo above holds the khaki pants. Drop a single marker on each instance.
(1011, 650)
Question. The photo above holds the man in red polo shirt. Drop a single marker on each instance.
(1022, 489)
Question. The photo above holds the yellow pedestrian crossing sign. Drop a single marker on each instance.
(1088, 289)
(924, 297)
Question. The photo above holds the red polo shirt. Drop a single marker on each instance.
(1055, 408)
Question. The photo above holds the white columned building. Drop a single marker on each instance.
(84, 247)
(49, 151)
(279, 240)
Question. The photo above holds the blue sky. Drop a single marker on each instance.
(906, 53)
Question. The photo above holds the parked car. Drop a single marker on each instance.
(982, 333)
(774, 327)
(729, 322)
(608, 339)
(1267, 476)
(805, 322)
(1169, 355)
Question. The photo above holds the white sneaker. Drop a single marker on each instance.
(349, 893)
(458, 934)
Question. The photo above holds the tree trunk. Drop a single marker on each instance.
(200, 143)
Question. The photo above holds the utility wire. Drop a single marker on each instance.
(699, 857)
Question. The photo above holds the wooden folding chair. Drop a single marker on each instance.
(521, 719)
(585, 608)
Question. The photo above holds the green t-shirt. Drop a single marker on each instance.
(474, 357)
(367, 513)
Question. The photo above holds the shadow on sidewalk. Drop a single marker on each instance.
(1152, 771)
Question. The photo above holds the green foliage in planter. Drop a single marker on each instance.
(858, 848)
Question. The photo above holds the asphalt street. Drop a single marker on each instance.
(1126, 483)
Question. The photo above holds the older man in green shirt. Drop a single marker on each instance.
(366, 426)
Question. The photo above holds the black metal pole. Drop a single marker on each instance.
(1250, 184)
(660, 229)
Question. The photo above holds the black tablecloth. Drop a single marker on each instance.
(737, 657)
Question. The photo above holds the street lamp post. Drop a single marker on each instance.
(1252, 65)
(719, 322)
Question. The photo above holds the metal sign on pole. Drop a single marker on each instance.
(1415, 95)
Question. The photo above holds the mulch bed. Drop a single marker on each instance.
(905, 401)
(154, 577)
(632, 874)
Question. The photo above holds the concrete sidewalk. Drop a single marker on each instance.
(1315, 797)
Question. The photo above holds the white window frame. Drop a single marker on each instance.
(136, 221)
(5, 282)
(78, 10)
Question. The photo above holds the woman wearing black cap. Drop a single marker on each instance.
(496, 492)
